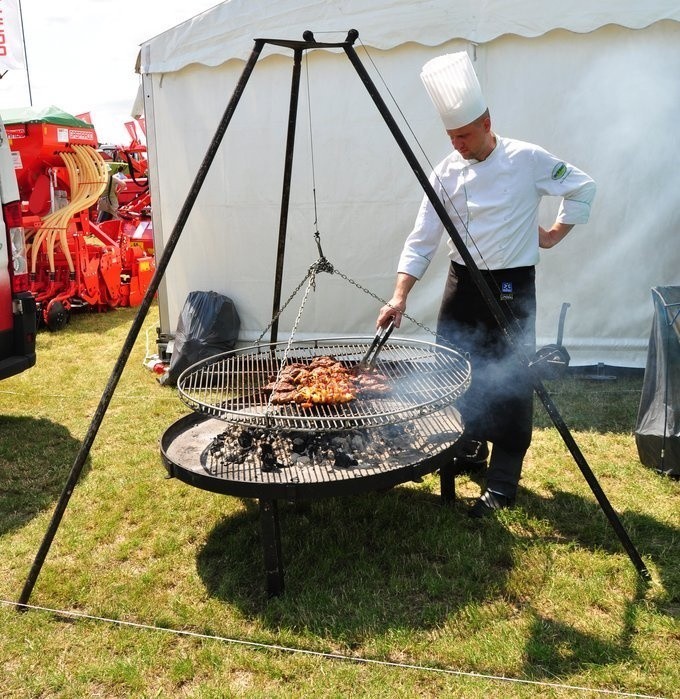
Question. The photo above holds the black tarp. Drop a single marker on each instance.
(657, 432)
(208, 325)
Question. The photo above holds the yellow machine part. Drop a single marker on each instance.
(88, 176)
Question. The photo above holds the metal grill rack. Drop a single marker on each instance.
(423, 378)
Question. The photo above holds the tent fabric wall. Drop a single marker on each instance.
(227, 30)
(603, 99)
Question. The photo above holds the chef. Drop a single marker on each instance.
(491, 187)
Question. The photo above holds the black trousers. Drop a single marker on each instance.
(498, 405)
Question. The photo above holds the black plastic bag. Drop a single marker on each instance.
(657, 432)
(208, 325)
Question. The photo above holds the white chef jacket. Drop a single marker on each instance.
(494, 205)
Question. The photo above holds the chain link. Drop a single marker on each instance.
(323, 265)
(383, 302)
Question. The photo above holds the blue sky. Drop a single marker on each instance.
(81, 55)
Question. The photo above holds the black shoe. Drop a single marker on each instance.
(470, 457)
(488, 503)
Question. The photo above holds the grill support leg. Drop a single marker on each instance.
(271, 543)
(447, 484)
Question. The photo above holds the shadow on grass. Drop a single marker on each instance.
(362, 564)
(373, 565)
(583, 521)
(557, 649)
(87, 320)
(36, 456)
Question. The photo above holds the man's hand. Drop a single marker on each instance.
(392, 310)
(395, 308)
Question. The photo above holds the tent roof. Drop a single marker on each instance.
(48, 115)
(228, 30)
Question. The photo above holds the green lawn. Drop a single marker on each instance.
(439, 605)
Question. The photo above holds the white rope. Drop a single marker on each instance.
(148, 355)
(331, 656)
(87, 395)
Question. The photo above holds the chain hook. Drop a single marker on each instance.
(317, 240)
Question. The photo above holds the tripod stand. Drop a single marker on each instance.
(298, 48)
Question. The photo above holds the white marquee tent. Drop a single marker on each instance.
(595, 83)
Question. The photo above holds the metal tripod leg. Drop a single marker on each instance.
(447, 484)
(271, 543)
(135, 328)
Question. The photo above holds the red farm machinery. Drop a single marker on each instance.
(135, 200)
(74, 262)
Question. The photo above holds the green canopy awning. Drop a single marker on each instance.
(48, 115)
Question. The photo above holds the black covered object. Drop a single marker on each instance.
(208, 325)
(657, 432)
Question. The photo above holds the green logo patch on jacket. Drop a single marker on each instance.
(559, 171)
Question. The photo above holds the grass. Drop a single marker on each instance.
(544, 593)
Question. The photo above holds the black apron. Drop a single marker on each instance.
(498, 405)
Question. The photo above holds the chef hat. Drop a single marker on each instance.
(453, 87)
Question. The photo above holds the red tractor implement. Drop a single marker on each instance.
(74, 263)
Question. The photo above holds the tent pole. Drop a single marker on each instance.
(23, 41)
(285, 194)
(135, 328)
(498, 313)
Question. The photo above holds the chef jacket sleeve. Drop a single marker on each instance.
(555, 177)
(422, 242)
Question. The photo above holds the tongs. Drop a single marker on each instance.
(379, 340)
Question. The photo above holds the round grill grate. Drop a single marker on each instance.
(422, 378)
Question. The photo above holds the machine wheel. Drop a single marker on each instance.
(57, 316)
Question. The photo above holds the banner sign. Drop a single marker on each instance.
(11, 36)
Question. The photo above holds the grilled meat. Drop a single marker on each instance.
(325, 381)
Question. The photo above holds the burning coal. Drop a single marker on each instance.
(332, 450)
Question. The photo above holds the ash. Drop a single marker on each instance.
(331, 450)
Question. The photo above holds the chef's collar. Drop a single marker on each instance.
(472, 161)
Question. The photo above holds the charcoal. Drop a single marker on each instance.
(273, 451)
(344, 460)
(245, 439)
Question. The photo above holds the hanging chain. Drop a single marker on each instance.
(321, 265)
(382, 301)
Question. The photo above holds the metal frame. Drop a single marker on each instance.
(298, 47)
(189, 467)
